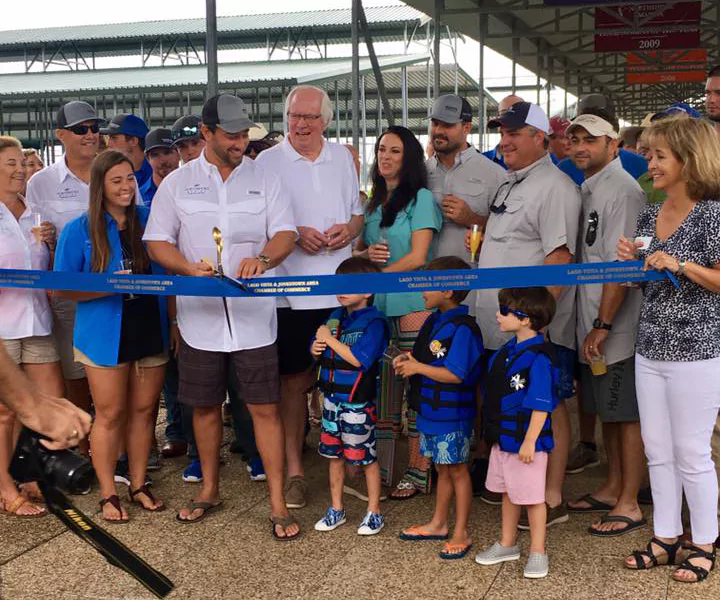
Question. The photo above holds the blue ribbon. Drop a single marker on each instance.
(320, 285)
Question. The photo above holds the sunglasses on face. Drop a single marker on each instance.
(505, 310)
(83, 129)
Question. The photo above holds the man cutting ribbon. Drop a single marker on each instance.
(221, 190)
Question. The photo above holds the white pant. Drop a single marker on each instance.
(679, 404)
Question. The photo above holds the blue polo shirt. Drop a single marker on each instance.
(633, 163)
(143, 173)
(98, 322)
(147, 191)
(495, 156)
(464, 360)
(538, 390)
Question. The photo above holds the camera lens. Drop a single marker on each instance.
(69, 472)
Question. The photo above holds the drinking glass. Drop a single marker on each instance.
(327, 224)
(475, 240)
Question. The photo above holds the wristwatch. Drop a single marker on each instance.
(598, 324)
(681, 267)
(264, 259)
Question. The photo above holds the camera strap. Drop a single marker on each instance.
(116, 553)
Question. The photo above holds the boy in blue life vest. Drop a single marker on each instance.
(444, 369)
(521, 391)
(349, 348)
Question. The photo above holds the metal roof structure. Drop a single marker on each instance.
(303, 34)
(556, 39)
(29, 101)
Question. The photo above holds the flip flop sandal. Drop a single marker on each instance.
(701, 573)
(404, 485)
(631, 526)
(671, 551)
(14, 506)
(206, 507)
(113, 501)
(284, 522)
(409, 536)
(31, 495)
(455, 551)
(595, 505)
(143, 489)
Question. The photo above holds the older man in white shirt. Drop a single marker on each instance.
(322, 182)
(235, 340)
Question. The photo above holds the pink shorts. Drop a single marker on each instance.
(524, 484)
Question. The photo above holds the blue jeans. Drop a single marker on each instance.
(179, 426)
(242, 425)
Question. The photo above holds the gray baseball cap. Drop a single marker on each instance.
(451, 109)
(227, 112)
(158, 137)
(75, 112)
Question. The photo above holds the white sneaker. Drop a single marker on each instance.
(371, 524)
(332, 520)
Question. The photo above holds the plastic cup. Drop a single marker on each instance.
(327, 224)
(598, 366)
(37, 226)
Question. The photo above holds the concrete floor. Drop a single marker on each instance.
(232, 555)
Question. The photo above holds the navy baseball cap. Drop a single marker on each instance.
(75, 112)
(522, 114)
(227, 112)
(126, 124)
(186, 128)
(158, 137)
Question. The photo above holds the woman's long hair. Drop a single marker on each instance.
(101, 251)
(413, 177)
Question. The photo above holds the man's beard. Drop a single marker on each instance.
(449, 148)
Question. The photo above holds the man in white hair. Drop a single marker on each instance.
(321, 179)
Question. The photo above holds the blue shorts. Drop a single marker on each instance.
(567, 362)
(348, 431)
(446, 448)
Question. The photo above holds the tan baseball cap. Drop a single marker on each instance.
(594, 125)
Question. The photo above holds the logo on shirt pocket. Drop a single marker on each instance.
(68, 194)
(197, 190)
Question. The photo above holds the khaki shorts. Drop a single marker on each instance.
(157, 360)
(64, 311)
(35, 350)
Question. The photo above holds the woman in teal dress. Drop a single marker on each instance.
(401, 220)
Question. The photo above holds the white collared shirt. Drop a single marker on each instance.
(25, 312)
(326, 188)
(249, 208)
(60, 196)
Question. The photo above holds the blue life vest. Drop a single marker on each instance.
(338, 378)
(505, 421)
(432, 399)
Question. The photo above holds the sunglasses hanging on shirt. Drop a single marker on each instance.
(504, 191)
(591, 233)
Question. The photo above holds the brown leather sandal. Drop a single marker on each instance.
(143, 489)
(113, 501)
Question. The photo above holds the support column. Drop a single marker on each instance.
(355, 77)
(482, 105)
(211, 48)
(436, 46)
(404, 92)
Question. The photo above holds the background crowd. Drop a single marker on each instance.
(216, 193)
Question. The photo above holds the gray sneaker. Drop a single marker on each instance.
(296, 492)
(581, 457)
(497, 554)
(537, 566)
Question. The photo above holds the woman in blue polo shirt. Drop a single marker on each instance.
(120, 339)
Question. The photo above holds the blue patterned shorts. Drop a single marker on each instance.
(348, 431)
(446, 448)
